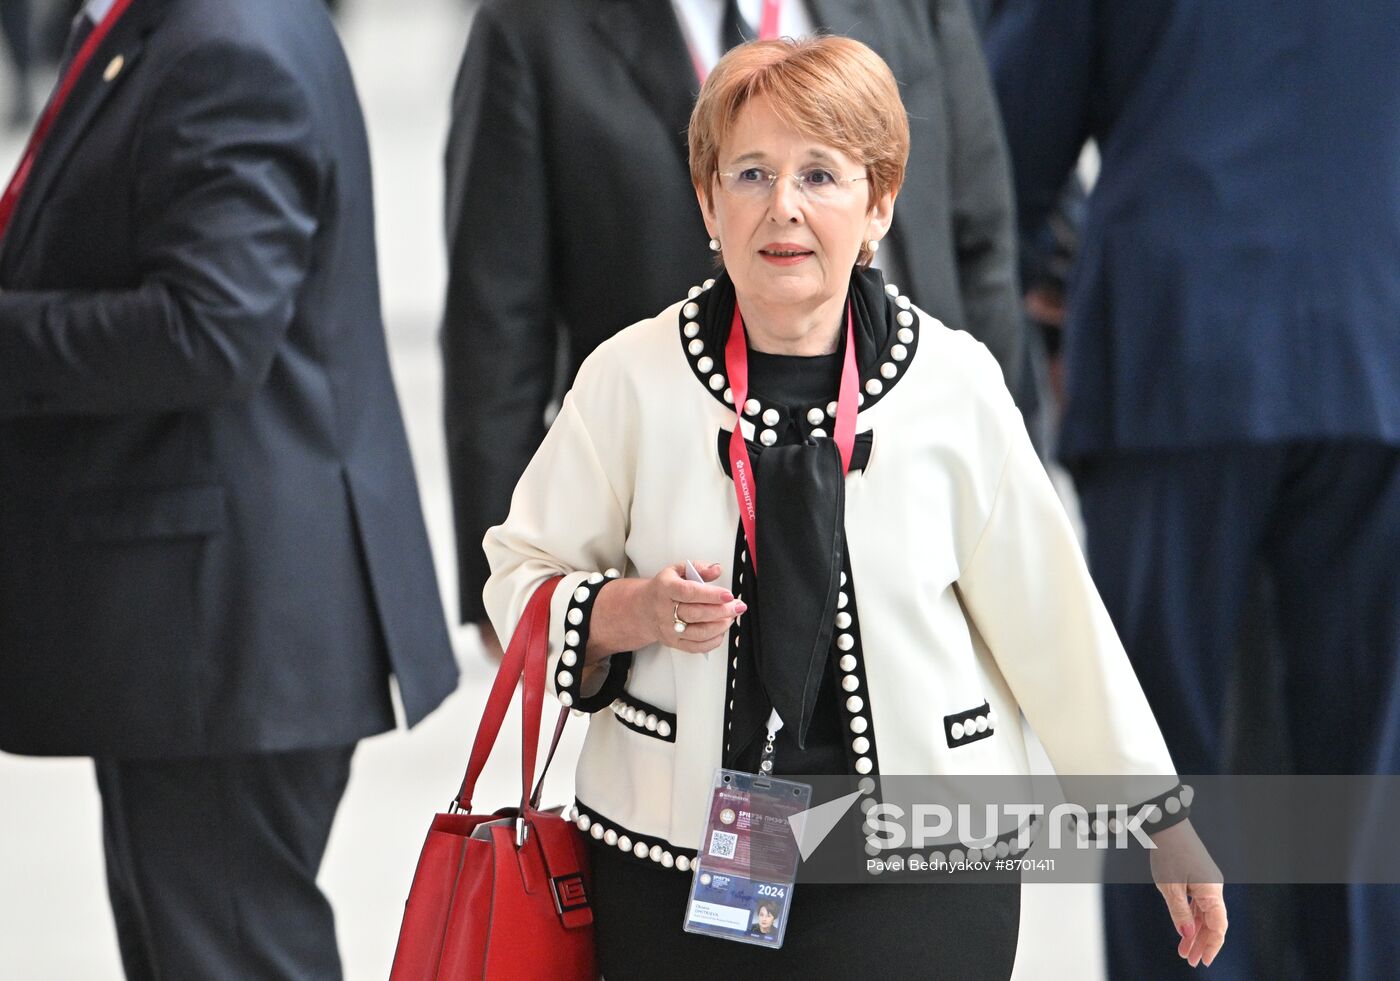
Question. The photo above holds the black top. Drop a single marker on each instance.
(793, 380)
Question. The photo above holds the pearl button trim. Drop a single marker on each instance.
(706, 367)
(965, 727)
(642, 719)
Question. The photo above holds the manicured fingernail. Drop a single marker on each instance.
(729, 597)
(742, 607)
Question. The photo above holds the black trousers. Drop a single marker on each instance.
(1176, 541)
(211, 864)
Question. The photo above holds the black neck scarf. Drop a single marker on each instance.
(801, 536)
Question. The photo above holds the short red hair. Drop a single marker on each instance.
(833, 89)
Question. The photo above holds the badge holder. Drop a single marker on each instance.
(741, 887)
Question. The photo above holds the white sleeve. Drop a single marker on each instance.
(1027, 589)
(566, 518)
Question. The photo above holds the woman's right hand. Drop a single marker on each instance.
(635, 613)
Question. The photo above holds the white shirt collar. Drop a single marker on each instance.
(97, 9)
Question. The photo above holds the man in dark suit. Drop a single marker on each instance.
(570, 212)
(1234, 380)
(211, 549)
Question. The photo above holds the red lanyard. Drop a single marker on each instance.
(51, 111)
(736, 359)
(768, 24)
(767, 28)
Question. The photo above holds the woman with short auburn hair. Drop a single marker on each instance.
(920, 586)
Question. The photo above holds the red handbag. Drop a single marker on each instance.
(504, 895)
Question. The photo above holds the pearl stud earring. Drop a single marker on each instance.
(714, 245)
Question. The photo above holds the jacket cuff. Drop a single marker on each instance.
(1151, 816)
(587, 689)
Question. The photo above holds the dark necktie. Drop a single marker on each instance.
(82, 27)
(735, 30)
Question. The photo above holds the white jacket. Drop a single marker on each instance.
(975, 604)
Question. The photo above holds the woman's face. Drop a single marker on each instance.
(785, 246)
(765, 919)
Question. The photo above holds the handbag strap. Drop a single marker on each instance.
(553, 745)
(531, 637)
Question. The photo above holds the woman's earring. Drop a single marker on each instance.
(714, 245)
(873, 245)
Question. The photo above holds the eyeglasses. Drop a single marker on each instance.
(813, 183)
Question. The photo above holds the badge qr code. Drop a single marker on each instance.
(722, 844)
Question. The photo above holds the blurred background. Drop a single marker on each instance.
(54, 917)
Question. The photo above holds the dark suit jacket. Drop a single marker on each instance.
(210, 535)
(570, 209)
(1239, 270)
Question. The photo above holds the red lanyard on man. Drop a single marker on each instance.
(10, 199)
(736, 359)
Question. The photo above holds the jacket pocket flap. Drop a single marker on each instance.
(969, 725)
